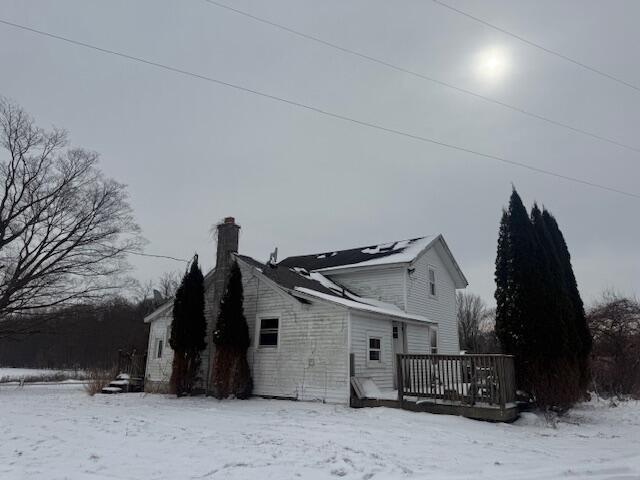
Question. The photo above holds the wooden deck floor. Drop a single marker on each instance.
(490, 413)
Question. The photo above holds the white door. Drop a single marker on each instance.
(399, 339)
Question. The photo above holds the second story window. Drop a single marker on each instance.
(159, 348)
(432, 282)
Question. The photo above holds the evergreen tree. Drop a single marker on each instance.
(582, 342)
(519, 284)
(534, 316)
(557, 373)
(231, 369)
(188, 330)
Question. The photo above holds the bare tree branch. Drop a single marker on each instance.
(64, 227)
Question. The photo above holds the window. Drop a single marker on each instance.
(395, 331)
(375, 350)
(268, 336)
(434, 342)
(159, 348)
(432, 282)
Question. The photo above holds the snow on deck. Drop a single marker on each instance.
(61, 432)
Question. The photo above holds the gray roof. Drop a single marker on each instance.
(352, 256)
(287, 277)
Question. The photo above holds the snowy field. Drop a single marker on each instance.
(8, 374)
(59, 432)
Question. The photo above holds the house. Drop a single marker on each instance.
(315, 320)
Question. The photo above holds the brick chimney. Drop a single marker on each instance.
(228, 233)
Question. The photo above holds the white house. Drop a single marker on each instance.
(308, 314)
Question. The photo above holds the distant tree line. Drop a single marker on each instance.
(80, 336)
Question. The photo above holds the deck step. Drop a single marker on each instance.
(111, 390)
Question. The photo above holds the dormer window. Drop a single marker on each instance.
(432, 282)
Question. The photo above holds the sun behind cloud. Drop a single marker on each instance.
(492, 64)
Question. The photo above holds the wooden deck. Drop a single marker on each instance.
(474, 386)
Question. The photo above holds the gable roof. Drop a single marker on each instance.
(401, 251)
(392, 253)
(302, 284)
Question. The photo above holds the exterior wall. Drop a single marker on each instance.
(418, 338)
(383, 373)
(158, 370)
(385, 284)
(311, 361)
(442, 307)
(361, 328)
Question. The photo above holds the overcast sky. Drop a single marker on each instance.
(193, 152)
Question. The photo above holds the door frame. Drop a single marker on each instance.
(400, 342)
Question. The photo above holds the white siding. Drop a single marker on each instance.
(159, 369)
(442, 308)
(385, 284)
(361, 328)
(418, 338)
(311, 361)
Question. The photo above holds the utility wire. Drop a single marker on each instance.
(325, 112)
(156, 256)
(538, 46)
(422, 76)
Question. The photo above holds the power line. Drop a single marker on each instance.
(538, 46)
(325, 112)
(156, 256)
(422, 76)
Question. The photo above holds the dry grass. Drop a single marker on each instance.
(97, 379)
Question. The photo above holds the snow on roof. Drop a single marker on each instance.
(381, 307)
(401, 251)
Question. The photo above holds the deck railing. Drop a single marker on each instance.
(132, 363)
(460, 379)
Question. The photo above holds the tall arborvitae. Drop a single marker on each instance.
(188, 330)
(533, 313)
(519, 286)
(232, 376)
(557, 373)
(582, 343)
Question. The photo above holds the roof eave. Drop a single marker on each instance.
(313, 298)
(158, 311)
(460, 281)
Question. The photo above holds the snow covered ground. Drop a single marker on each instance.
(59, 432)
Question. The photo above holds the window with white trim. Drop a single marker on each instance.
(268, 335)
(159, 345)
(374, 350)
(434, 342)
(432, 282)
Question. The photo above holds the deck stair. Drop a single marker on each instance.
(124, 383)
(131, 373)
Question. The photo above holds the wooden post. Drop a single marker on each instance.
(400, 375)
(352, 365)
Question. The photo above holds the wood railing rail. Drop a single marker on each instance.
(463, 379)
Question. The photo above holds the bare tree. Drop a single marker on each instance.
(168, 283)
(615, 325)
(471, 312)
(65, 228)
